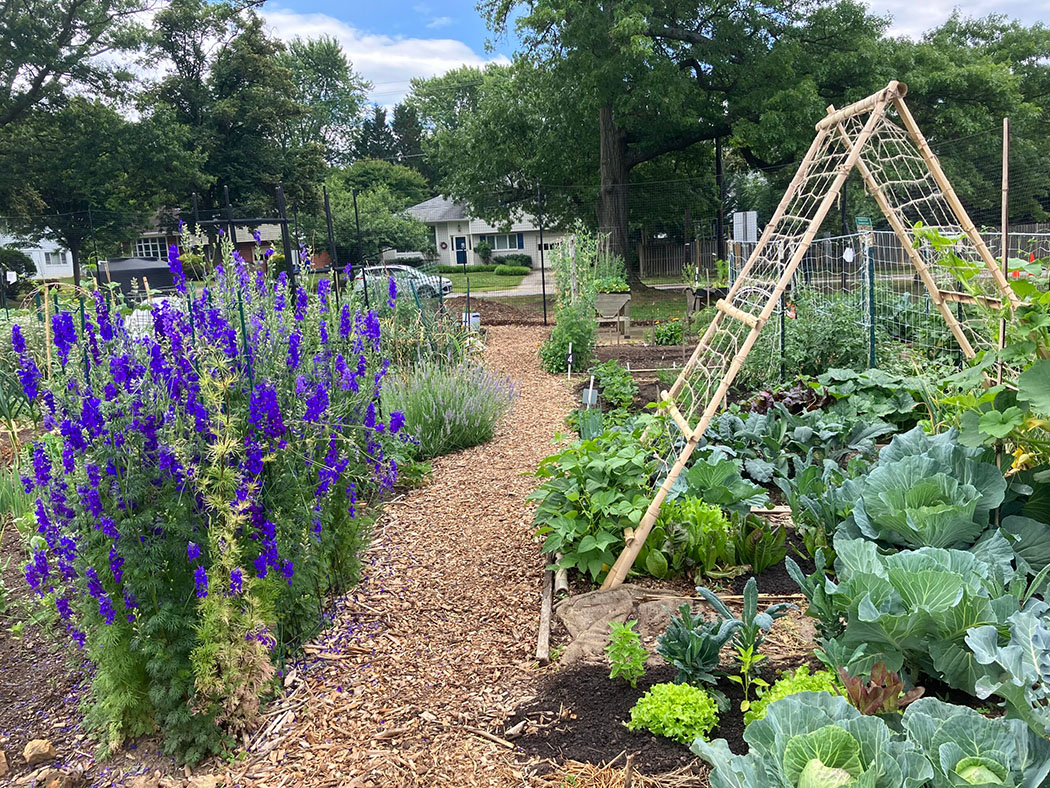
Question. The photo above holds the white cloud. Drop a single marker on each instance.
(440, 21)
(388, 62)
(913, 19)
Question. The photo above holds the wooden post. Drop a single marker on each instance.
(543, 638)
(623, 564)
(145, 287)
(47, 329)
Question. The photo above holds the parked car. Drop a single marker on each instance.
(426, 285)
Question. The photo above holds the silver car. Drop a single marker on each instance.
(426, 285)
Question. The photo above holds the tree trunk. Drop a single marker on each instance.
(74, 254)
(612, 199)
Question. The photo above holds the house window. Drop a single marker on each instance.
(505, 242)
(54, 259)
(150, 248)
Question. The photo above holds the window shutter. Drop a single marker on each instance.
(521, 240)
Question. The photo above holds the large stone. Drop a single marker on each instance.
(38, 751)
(58, 779)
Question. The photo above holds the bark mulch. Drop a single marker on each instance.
(435, 649)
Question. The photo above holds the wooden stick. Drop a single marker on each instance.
(628, 771)
(490, 736)
(543, 639)
(47, 328)
(913, 254)
(893, 91)
(738, 314)
(626, 560)
(145, 286)
(676, 414)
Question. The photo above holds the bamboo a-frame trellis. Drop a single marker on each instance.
(879, 138)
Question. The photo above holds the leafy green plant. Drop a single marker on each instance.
(611, 284)
(692, 645)
(590, 492)
(689, 534)
(717, 480)
(816, 505)
(677, 711)
(617, 386)
(758, 542)
(791, 683)
(882, 692)
(511, 270)
(625, 652)
(670, 332)
(873, 394)
(483, 249)
(749, 635)
(966, 748)
(816, 740)
(574, 325)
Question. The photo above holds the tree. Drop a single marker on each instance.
(332, 94)
(404, 183)
(408, 139)
(376, 140)
(48, 46)
(92, 174)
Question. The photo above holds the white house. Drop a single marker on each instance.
(456, 235)
(51, 259)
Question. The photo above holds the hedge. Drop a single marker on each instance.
(470, 269)
(512, 270)
(518, 258)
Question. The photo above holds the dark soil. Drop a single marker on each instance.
(645, 356)
(494, 313)
(776, 580)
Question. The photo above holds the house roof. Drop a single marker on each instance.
(438, 209)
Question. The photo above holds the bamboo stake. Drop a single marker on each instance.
(145, 286)
(954, 203)
(47, 328)
(623, 564)
(916, 259)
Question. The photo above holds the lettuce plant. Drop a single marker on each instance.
(881, 693)
(792, 683)
(677, 711)
(965, 748)
(816, 740)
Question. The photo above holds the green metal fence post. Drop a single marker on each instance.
(870, 259)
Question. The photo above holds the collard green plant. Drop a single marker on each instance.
(717, 480)
(625, 652)
(590, 492)
(692, 645)
(792, 683)
(817, 507)
(680, 712)
(873, 395)
(965, 748)
(816, 740)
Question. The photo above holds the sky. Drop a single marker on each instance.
(391, 41)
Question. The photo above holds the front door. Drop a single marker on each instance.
(460, 245)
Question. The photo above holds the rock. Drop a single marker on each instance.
(57, 779)
(3, 764)
(38, 751)
(204, 781)
(170, 782)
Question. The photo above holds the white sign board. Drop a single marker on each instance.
(12, 277)
(745, 227)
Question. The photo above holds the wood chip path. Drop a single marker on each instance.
(430, 653)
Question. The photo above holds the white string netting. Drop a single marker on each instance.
(902, 304)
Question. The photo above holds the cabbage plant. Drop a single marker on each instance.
(965, 748)
(816, 740)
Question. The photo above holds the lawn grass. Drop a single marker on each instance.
(483, 282)
(647, 304)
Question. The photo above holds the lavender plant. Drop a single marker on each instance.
(448, 408)
(201, 489)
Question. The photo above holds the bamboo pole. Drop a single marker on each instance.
(916, 259)
(893, 91)
(1006, 235)
(618, 572)
(954, 203)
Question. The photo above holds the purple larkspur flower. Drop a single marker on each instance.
(294, 340)
(391, 292)
(175, 266)
(200, 580)
(18, 342)
(397, 421)
(65, 335)
(346, 321)
(193, 551)
(236, 581)
(116, 564)
(41, 465)
(264, 413)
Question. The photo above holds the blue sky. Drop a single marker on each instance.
(391, 41)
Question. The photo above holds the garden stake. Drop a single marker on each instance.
(87, 361)
(244, 341)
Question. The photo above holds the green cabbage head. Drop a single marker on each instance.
(816, 740)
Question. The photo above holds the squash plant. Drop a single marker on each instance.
(592, 491)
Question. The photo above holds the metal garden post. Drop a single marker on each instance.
(286, 241)
(869, 258)
(543, 274)
(360, 251)
(331, 240)
(783, 344)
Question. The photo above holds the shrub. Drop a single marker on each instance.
(198, 493)
(512, 270)
(791, 683)
(678, 711)
(449, 408)
(484, 250)
(625, 652)
(670, 333)
(575, 325)
(517, 258)
(468, 269)
(617, 385)
(611, 284)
